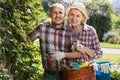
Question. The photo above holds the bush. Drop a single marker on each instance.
(100, 16)
(115, 75)
(108, 35)
(18, 17)
(114, 39)
(116, 21)
(111, 37)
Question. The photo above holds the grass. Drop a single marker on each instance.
(109, 45)
(114, 58)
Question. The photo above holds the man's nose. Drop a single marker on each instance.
(57, 14)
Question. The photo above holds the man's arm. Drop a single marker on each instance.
(74, 54)
(35, 33)
(59, 55)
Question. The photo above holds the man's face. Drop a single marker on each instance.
(57, 15)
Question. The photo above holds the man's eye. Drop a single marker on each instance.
(55, 12)
(60, 12)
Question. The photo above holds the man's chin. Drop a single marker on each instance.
(59, 23)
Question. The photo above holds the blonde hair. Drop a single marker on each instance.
(79, 6)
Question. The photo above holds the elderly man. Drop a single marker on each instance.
(54, 39)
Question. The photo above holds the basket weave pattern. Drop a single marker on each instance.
(85, 73)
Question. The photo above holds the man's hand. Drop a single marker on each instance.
(58, 55)
(47, 22)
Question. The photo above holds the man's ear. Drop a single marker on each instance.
(49, 14)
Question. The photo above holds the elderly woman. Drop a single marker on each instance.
(84, 35)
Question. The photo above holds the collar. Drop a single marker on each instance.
(85, 27)
(62, 28)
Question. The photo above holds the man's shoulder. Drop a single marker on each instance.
(42, 25)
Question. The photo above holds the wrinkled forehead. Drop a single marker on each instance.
(57, 5)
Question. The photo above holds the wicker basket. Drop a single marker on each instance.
(84, 73)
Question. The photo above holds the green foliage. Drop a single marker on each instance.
(100, 16)
(115, 75)
(111, 37)
(116, 21)
(114, 39)
(108, 35)
(27, 63)
(47, 3)
(17, 17)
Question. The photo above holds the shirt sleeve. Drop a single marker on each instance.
(96, 45)
(35, 33)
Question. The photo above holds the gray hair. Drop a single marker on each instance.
(57, 5)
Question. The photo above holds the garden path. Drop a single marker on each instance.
(111, 50)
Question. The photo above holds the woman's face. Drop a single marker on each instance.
(75, 17)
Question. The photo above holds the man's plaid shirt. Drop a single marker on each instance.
(51, 40)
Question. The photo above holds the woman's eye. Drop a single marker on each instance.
(72, 14)
(78, 15)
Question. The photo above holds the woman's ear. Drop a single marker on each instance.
(65, 14)
(84, 19)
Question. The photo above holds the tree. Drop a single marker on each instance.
(47, 3)
(116, 21)
(100, 16)
(17, 17)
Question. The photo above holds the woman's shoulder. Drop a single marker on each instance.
(89, 27)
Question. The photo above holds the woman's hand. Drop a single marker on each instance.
(84, 49)
(79, 47)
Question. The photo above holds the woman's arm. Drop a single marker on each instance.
(89, 52)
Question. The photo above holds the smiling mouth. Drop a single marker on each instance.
(74, 22)
(57, 19)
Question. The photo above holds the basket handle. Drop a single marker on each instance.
(68, 61)
(86, 57)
